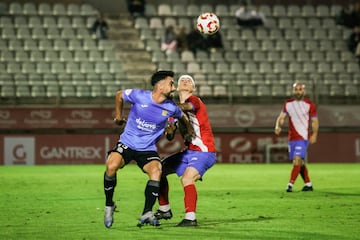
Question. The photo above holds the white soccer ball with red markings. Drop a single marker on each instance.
(208, 23)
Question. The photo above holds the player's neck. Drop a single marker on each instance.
(158, 97)
(183, 95)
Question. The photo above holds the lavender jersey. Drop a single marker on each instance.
(147, 119)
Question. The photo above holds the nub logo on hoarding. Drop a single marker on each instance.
(19, 151)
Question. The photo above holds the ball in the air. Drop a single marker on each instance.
(208, 23)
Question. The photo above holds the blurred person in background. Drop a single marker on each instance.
(196, 41)
(136, 7)
(247, 17)
(182, 41)
(214, 42)
(169, 40)
(303, 130)
(354, 42)
(100, 27)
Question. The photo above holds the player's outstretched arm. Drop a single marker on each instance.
(315, 129)
(119, 120)
(279, 123)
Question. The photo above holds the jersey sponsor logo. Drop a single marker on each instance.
(144, 105)
(145, 126)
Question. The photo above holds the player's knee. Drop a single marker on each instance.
(187, 180)
(113, 163)
(153, 170)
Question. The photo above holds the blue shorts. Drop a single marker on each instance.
(298, 148)
(178, 162)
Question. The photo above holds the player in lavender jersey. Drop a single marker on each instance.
(145, 125)
(303, 129)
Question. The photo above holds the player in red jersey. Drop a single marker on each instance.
(303, 129)
(191, 163)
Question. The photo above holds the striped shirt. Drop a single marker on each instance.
(300, 114)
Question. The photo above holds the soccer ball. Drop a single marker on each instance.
(208, 23)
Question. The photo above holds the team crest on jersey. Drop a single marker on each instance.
(164, 113)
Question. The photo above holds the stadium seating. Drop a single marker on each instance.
(51, 41)
(46, 46)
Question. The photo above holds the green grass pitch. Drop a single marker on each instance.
(234, 202)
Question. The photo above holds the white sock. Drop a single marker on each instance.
(308, 184)
(190, 216)
(164, 208)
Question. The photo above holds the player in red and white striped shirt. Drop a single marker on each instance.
(191, 163)
(303, 129)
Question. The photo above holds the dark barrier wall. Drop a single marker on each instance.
(243, 134)
(45, 149)
(221, 116)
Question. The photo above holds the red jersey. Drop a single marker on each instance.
(300, 114)
(204, 140)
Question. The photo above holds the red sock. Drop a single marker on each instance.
(305, 174)
(190, 198)
(164, 192)
(294, 173)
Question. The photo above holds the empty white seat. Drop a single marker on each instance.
(15, 8)
(308, 10)
(249, 91)
(38, 91)
(179, 10)
(44, 9)
(193, 10)
(208, 68)
(29, 8)
(193, 67)
(68, 91)
(164, 10)
(88, 10)
(205, 91)
(222, 10)
(101, 67)
(294, 10)
(43, 67)
(73, 9)
(322, 11)
(59, 9)
(155, 23)
(220, 91)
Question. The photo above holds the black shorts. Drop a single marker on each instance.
(140, 157)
